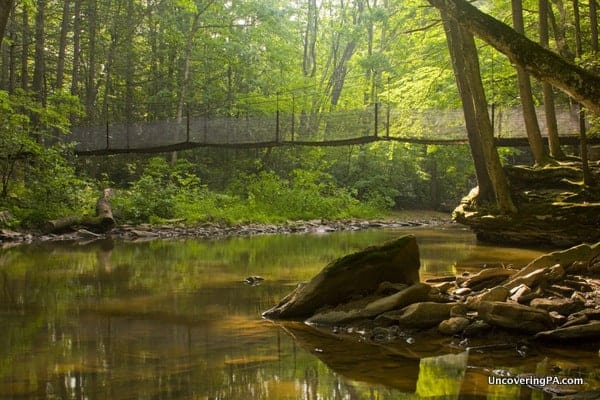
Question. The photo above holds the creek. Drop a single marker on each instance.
(173, 319)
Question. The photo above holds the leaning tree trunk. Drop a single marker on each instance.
(466, 65)
(486, 189)
(542, 63)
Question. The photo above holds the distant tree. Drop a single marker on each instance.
(532, 126)
(5, 9)
(549, 107)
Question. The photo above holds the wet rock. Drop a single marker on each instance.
(483, 278)
(462, 291)
(561, 306)
(499, 293)
(355, 274)
(519, 292)
(358, 310)
(535, 276)
(557, 318)
(575, 319)
(387, 288)
(253, 280)
(590, 330)
(477, 328)
(413, 294)
(444, 286)
(453, 325)
(417, 315)
(459, 310)
(515, 316)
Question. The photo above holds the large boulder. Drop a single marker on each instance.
(354, 275)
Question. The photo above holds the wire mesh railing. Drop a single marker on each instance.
(326, 128)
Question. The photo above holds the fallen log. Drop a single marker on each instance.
(102, 222)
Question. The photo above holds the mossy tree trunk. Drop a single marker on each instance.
(490, 175)
(542, 63)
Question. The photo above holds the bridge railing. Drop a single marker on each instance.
(372, 121)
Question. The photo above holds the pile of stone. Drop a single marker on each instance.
(555, 297)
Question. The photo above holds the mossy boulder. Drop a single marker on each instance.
(357, 274)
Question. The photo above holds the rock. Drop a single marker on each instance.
(459, 310)
(453, 325)
(476, 328)
(355, 274)
(418, 315)
(418, 292)
(387, 288)
(515, 316)
(253, 280)
(561, 306)
(518, 292)
(488, 274)
(590, 330)
(535, 276)
(462, 291)
(557, 318)
(413, 294)
(575, 319)
(444, 286)
(564, 258)
(499, 293)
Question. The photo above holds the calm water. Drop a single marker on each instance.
(173, 320)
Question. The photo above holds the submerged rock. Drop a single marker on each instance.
(354, 275)
(453, 325)
(585, 331)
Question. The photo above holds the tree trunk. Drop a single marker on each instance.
(453, 33)
(529, 116)
(583, 149)
(538, 61)
(39, 70)
(594, 24)
(62, 46)
(490, 174)
(76, 47)
(90, 93)
(102, 222)
(5, 9)
(549, 107)
(25, 50)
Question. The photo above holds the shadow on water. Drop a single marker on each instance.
(172, 319)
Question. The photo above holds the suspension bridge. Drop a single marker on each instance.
(286, 128)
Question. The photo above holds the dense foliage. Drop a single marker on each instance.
(93, 61)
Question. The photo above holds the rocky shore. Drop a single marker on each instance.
(554, 208)
(215, 230)
(377, 293)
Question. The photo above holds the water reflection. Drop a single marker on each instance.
(172, 319)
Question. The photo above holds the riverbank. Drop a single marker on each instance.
(554, 208)
(178, 229)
